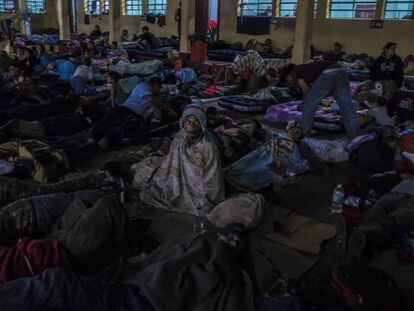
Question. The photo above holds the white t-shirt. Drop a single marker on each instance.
(84, 72)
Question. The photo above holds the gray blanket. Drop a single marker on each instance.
(197, 274)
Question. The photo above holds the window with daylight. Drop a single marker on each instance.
(353, 9)
(287, 8)
(132, 7)
(399, 9)
(105, 8)
(96, 7)
(7, 6)
(255, 8)
(36, 6)
(157, 7)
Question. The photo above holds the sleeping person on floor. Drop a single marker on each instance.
(60, 118)
(384, 187)
(384, 224)
(198, 272)
(275, 162)
(142, 107)
(84, 222)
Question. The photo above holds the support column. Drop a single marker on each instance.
(63, 19)
(303, 32)
(185, 26)
(322, 10)
(22, 9)
(379, 13)
(201, 16)
(115, 20)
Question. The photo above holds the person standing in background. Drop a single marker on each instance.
(388, 66)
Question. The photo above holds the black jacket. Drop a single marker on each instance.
(388, 69)
(150, 40)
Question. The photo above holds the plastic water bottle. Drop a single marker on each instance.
(352, 201)
(338, 198)
(199, 225)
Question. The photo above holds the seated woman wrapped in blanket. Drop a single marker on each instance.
(190, 177)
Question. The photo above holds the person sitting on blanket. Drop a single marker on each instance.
(29, 61)
(147, 39)
(125, 36)
(91, 50)
(189, 179)
(197, 273)
(15, 76)
(117, 52)
(82, 75)
(41, 58)
(78, 48)
(21, 56)
(316, 81)
(96, 32)
(65, 68)
(139, 104)
(118, 95)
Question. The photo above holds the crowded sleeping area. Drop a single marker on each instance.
(206, 155)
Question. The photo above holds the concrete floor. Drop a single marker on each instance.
(309, 197)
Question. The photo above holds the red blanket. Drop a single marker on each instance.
(30, 257)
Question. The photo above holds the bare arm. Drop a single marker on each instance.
(304, 87)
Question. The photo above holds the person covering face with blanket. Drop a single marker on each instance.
(190, 177)
(270, 163)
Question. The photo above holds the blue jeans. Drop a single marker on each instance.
(336, 83)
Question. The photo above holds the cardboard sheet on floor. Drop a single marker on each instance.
(308, 233)
(292, 264)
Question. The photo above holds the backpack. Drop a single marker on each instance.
(367, 288)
